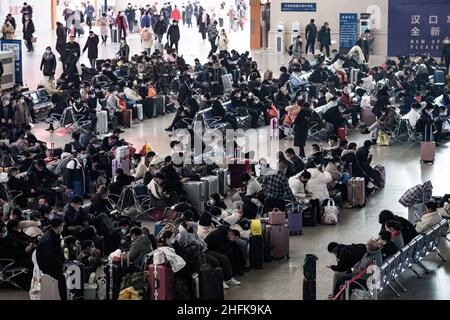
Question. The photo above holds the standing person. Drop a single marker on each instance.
(204, 23)
(221, 14)
(76, 174)
(67, 13)
(11, 19)
(48, 63)
(92, 47)
(27, 10)
(173, 34)
(104, 25)
(297, 48)
(324, 38)
(71, 55)
(176, 15)
(364, 43)
(60, 39)
(146, 21)
(231, 19)
(28, 30)
(213, 33)
(189, 13)
(147, 39)
(183, 14)
(121, 25)
(110, 16)
(301, 123)
(8, 30)
(89, 13)
(445, 58)
(76, 19)
(160, 28)
(131, 16)
(311, 35)
(223, 41)
(50, 256)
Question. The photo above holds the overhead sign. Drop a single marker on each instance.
(417, 26)
(348, 30)
(298, 7)
(16, 47)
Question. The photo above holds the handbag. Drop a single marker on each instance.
(33, 39)
(330, 215)
(383, 139)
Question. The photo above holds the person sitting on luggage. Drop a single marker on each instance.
(121, 181)
(140, 246)
(99, 202)
(50, 256)
(299, 164)
(205, 225)
(277, 189)
(429, 219)
(408, 229)
(139, 168)
(396, 235)
(316, 157)
(346, 256)
(388, 247)
(373, 254)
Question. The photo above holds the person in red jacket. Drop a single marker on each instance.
(176, 15)
(121, 25)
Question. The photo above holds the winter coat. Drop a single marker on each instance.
(324, 36)
(348, 255)
(49, 254)
(317, 185)
(60, 36)
(160, 27)
(75, 171)
(28, 30)
(428, 221)
(173, 34)
(92, 47)
(8, 31)
(48, 64)
(138, 249)
(147, 33)
(21, 114)
(121, 22)
(311, 31)
(223, 43)
(301, 123)
(104, 26)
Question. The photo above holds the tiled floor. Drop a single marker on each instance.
(283, 279)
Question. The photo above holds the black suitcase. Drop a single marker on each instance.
(160, 103)
(309, 289)
(114, 273)
(311, 214)
(76, 279)
(256, 252)
(210, 283)
(149, 108)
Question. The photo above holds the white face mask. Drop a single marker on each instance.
(4, 234)
(83, 157)
(124, 231)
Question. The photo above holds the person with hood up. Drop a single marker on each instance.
(48, 63)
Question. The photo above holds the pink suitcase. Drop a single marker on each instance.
(367, 116)
(277, 217)
(427, 151)
(165, 284)
(278, 237)
(273, 129)
(356, 192)
(124, 164)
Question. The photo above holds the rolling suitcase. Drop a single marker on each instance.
(427, 149)
(273, 129)
(160, 101)
(295, 218)
(102, 122)
(49, 288)
(256, 251)
(126, 118)
(162, 284)
(210, 282)
(222, 175)
(115, 35)
(212, 185)
(309, 280)
(149, 108)
(278, 237)
(194, 193)
(354, 76)
(236, 168)
(356, 190)
(367, 116)
(311, 213)
(227, 83)
(439, 77)
(75, 280)
(114, 273)
(342, 133)
(140, 112)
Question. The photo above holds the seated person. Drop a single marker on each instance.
(173, 181)
(386, 123)
(139, 167)
(159, 198)
(396, 235)
(140, 246)
(388, 247)
(122, 180)
(99, 202)
(205, 225)
(298, 184)
(407, 228)
(219, 111)
(251, 188)
(43, 180)
(429, 219)
(299, 164)
(316, 157)
(76, 221)
(311, 183)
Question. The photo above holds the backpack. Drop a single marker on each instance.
(62, 165)
(290, 52)
(192, 253)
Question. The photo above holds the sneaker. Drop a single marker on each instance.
(233, 282)
(168, 129)
(225, 286)
(347, 205)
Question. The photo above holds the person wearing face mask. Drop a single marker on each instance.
(42, 180)
(21, 113)
(160, 28)
(77, 172)
(28, 30)
(139, 167)
(426, 125)
(140, 246)
(173, 35)
(92, 47)
(347, 101)
(121, 25)
(130, 13)
(48, 63)
(99, 201)
(147, 38)
(50, 256)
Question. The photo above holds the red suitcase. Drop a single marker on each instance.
(278, 237)
(367, 116)
(342, 133)
(356, 191)
(236, 168)
(126, 118)
(162, 275)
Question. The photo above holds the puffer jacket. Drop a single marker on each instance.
(317, 185)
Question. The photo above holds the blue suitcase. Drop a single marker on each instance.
(439, 77)
(295, 217)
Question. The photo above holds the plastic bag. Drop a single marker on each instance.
(330, 215)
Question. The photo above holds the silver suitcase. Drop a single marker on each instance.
(195, 193)
(212, 185)
(223, 176)
(140, 112)
(102, 122)
(354, 75)
(49, 288)
(227, 82)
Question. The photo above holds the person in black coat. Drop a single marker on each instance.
(61, 38)
(28, 30)
(301, 128)
(284, 76)
(50, 256)
(407, 228)
(160, 28)
(72, 55)
(122, 180)
(99, 202)
(92, 47)
(173, 35)
(48, 63)
(388, 248)
(324, 38)
(219, 111)
(310, 34)
(335, 116)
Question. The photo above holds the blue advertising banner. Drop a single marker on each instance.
(348, 30)
(417, 26)
(298, 7)
(16, 47)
